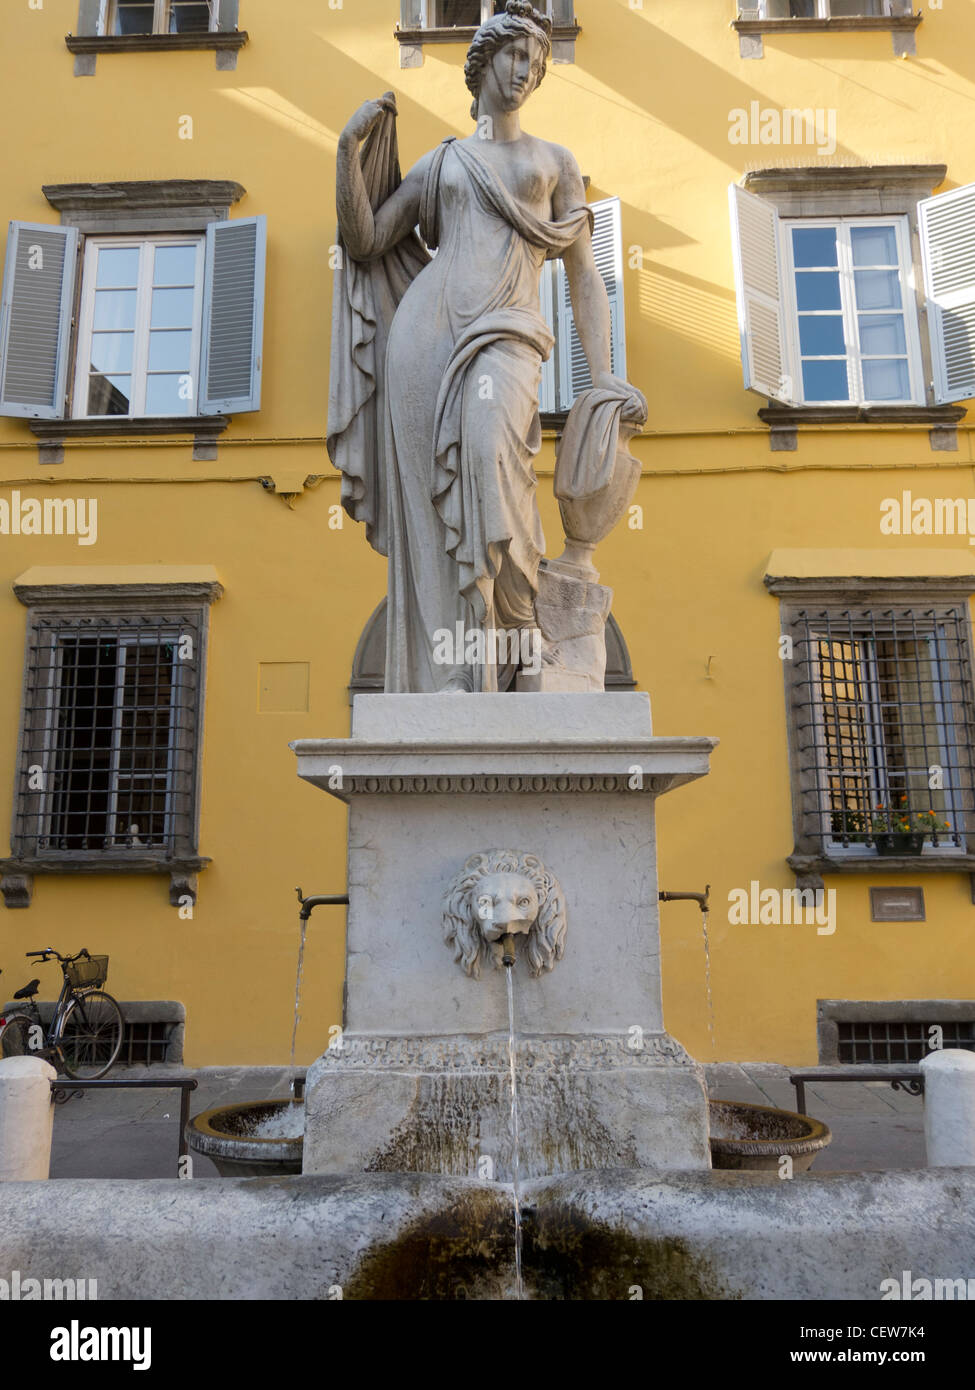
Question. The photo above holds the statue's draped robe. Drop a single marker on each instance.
(443, 477)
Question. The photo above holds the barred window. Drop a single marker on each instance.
(882, 719)
(111, 732)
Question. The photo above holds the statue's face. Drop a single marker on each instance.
(515, 72)
(506, 904)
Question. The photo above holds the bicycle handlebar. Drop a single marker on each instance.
(49, 951)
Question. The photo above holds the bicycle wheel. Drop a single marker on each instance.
(15, 1038)
(91, 1035)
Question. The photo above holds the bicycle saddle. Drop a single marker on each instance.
(28, 990)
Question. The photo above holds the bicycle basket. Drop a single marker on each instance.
(87, 974)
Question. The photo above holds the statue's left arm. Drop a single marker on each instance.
(590, 303)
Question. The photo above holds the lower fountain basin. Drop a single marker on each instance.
(230, 1137)
(756, 1137)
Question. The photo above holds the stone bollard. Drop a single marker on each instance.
(26, 1118)
(949, 1108)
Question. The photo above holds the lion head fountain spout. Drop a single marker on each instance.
(498, 896)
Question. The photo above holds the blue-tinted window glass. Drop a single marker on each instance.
(874, 245)
(825, 381)
(820, 289)
(821, 335)
(814, 246)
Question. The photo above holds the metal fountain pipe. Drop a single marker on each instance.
(309, 904)
(508, 957)
(702, 899)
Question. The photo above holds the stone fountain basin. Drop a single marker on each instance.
(756, 1137)
(226, 1136)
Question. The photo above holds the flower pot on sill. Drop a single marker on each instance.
(900, 842)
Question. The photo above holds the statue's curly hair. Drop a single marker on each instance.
(462, 925)
(520, 17)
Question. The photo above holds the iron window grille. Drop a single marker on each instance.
(108, 762)
(893, 1040)
(883, 725)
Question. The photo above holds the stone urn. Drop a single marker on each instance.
(256, 1139)
(588, 520)
(756, 1137)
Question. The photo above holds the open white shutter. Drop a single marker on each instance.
(947, 230)
(35, 319)
(233, 316)
(607, 246)
(758, 286)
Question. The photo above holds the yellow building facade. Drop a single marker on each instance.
(740, 521)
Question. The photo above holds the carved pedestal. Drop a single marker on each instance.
(479, 826)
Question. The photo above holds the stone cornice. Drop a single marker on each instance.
(847, 177)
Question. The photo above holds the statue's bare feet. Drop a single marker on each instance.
(457, 685)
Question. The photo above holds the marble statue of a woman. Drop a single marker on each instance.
(436, 361)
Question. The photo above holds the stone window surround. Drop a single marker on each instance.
(153, 588)
(831, 1012)
(411, 38)
(859, 191)
(751, 30)
(226, 40)
(152, 207)
(808, 861)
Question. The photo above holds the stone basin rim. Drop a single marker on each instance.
(208, 1138)
(817, 1138)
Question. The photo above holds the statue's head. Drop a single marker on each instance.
(499, 893)
(512, 49)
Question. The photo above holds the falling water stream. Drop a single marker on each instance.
(707, 977)
(515, 1152)
(303, 927)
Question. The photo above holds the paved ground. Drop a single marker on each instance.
(134, 1134)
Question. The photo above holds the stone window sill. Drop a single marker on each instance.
(810, 868)
(785, 421)
(233, 40)
(883, 23)
(412, 42)
(204, 430)
(17, 884)
(226, 43)
(752, 32)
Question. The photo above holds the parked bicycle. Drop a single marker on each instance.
(84, 1037)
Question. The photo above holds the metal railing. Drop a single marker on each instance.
(63, 1090)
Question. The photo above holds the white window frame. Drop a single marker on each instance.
(891, 9)
(140, 355)
(160, 18)
(912, 334)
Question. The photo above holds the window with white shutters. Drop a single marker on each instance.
(567, 373)
(168, 326)
(828, 307)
